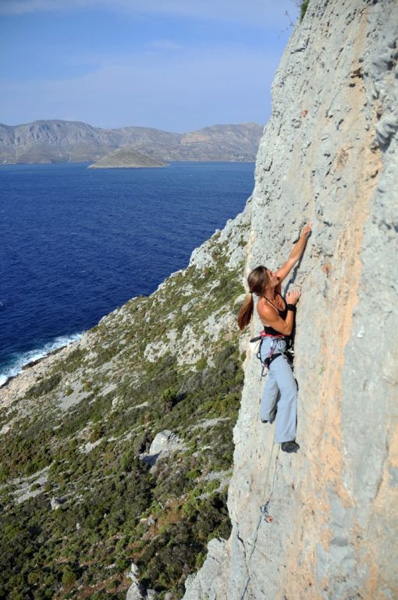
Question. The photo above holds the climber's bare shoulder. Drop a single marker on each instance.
(267, 313)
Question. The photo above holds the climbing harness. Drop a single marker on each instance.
(256, 344)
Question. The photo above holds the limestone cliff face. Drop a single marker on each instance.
(329, 154)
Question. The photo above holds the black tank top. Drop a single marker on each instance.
(282, 314)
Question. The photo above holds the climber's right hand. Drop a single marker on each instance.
(293, 296)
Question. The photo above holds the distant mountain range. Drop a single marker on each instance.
(69, 141)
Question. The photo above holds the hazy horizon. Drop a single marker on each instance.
(177, 67)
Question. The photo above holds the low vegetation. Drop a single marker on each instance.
(79, 502)
(303, 8)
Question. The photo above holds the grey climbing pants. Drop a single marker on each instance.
(280, 392)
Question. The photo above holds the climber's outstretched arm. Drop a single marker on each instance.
(296, 253)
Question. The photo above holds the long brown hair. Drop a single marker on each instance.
(257, 281)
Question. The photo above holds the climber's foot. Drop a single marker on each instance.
(290, 446)
(271, 419)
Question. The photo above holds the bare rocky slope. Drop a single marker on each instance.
(329, 154)
(69, 141)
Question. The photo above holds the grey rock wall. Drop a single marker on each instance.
(328, 524)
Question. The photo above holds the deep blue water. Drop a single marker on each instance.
(76, 243)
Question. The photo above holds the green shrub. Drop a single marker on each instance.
(44, 387)
(303, 8)
(68, 577)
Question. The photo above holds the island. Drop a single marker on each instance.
(126, 158)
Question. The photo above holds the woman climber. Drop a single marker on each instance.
(277, 316)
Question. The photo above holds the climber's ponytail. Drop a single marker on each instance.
(246, 312)
(257, 282)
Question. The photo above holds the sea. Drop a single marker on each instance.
(76, 243)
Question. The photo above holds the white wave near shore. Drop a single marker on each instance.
(23, 359)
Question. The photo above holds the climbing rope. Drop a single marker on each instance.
(264, 514)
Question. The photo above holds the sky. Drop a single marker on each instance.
(176, 65)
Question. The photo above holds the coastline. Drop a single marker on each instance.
(34, 357)
(16, 386)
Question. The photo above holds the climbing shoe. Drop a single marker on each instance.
(290, 446)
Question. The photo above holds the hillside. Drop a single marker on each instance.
(118, 448)
(64, 141)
